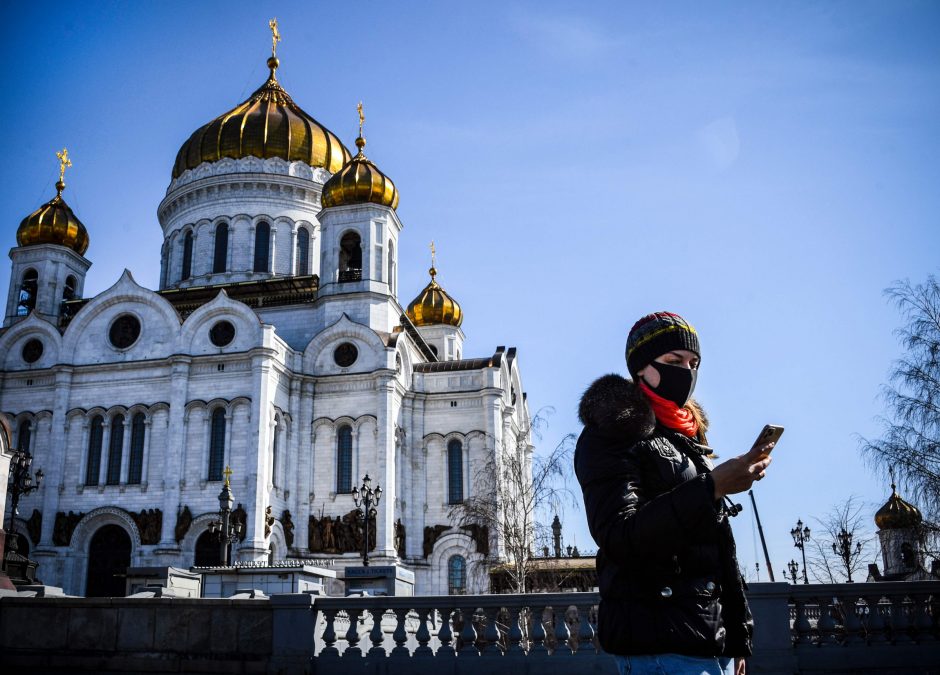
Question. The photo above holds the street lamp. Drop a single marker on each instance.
(227, 531)
(366, 499)
(793, 567)
(844, 550)
(21, 483)
(800, 536)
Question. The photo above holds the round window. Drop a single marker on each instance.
(32, 350)
(222, 333)
(124, 331)
(346, 355)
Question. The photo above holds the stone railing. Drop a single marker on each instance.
(845, 628)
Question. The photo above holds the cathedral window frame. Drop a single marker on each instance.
(392, 269)
(465, 469)
(455, 463)
(257, 253)
(223, 438)
(94, 443)
(188, 256)
(278, 448)
(226, 246)
(346, 270)
(137, 451)
(25, 427)
(28, 292)
(302, 263)
(117, 422)
(457, 572)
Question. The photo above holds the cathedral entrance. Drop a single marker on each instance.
(109, 556)
(208, 550)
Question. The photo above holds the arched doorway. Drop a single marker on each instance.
(208, 550)
(109, 556)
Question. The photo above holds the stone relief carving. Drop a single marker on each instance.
(335, 534)
(149, 522)
(431, 534)
(65, 525)
(268, 521)
(288, 526)
(184, 520)
(400, 538)
(240, 516)
(479, 534)
(34, 526)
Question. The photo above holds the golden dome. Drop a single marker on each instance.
(53, 223)
(897, 514)
(433, 306)
(268, 124)
(359, 182)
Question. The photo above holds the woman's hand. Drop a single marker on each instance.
(737, 474)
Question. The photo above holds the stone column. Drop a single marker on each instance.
(55, 472)
(304, 445)
(173, 466)
(385, 460)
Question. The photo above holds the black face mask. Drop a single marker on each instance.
(676, 383)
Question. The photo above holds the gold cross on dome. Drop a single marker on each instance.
(433, 252)
(275, 35)
(362, 117)
(64, 163)
(228, 474)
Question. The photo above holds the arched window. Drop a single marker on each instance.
(262, 247)
(350, 257)
(344, 459)
(217, 444)
(187, 256)
(303, 251)
(27, 300)
(392, 281)
(454, 472)
(23, 436)
(95, 435)
(456, 575)
(115, 447)
(135, 469)
(68, 292)
(220, 256)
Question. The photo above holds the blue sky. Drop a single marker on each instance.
(764, 169)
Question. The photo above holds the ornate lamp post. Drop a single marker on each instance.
(800, 536)
(228, 531)
(366, 499)
(793, 567)
(21, 483)
(844, 550)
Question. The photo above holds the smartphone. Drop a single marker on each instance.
(771, 433)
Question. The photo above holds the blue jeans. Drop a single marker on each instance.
(674, 664)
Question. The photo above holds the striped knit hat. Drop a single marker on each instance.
(656, 334)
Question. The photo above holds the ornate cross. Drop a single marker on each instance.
(64, 163)
(228, 474)
(275, 35)
(433, 252)
(362, 117)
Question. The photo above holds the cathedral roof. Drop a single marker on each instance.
(434, 306)
(359, 181)
(897, 514)
(267, 124)
(54, 222)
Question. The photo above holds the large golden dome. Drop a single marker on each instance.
(434, 306)
(268, 124)
(53, 223)
(897, 514)
(359, 181)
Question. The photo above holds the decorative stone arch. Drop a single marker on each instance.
(115, 410)
(343, 328)
(85, 530)
(16, 337)
(456, 541)
(160, 406)
(248, 330)
(277, 540)
(199, 526)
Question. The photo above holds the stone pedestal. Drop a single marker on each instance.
(379, 580)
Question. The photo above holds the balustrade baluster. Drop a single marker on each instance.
(537, 632)
(853, 625)
(826, 624)
(514, 634)
(585, 632)
(329, 635)
(423, 636)
(491, 644)
(468, 634)
(376, 635)
(400, 635)
(923, 622)
(352, 635)
(901, 620)
(876, 622)
(802, 628)
(562, 634)
(445, 635)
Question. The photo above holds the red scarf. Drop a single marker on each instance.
(669, 414)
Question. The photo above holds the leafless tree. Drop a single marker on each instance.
(841, 548)
(515, 492)
(910, 441)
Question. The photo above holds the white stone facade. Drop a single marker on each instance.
(277, 385)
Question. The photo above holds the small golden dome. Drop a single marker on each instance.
(268, 124)
(433, 306)
(359, 182)
(897, 514)
(53, 223)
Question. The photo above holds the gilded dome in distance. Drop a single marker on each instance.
(897, 514)
(54, 222)
(267, 124)
(359, 181)
(434, 306)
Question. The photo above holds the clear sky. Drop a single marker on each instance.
(764, 169)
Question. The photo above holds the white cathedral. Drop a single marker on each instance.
(275, 345)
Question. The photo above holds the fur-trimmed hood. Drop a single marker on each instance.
(614, 404)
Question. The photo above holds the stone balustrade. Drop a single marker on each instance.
(890, 627)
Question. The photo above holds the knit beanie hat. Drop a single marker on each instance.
(656, 334)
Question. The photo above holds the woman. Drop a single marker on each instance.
(672, 598)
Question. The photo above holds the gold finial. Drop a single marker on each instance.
(228, 475)
(64, 163)
(360, 140)
(275, 36)
(433, 270)
(894, 487)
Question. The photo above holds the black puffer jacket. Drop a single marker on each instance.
(666, 565)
